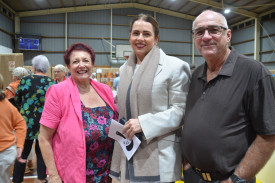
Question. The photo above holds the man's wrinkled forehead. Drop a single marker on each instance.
(208, 18)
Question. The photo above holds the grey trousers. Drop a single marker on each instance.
(190, 176)
(7, 158)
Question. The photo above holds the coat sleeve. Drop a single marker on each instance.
(169, 105)
(51, 114)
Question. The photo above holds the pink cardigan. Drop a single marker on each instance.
(62, 111)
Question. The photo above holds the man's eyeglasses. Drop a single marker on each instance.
(212, 31)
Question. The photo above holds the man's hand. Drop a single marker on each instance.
(131, 127)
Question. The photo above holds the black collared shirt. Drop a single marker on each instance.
(224, 115)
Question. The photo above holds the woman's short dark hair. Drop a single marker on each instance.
(78, 46)
(146, 18)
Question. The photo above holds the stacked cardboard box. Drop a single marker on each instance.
(8, 62)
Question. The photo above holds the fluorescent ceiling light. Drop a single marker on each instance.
(227, 10)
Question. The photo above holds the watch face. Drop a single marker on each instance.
(236, 179)
(241, 181)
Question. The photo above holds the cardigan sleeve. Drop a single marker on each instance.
(20, 127)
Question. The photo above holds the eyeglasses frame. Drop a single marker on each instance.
(196, 37)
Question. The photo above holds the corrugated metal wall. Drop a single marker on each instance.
(93, 28)
(243, 42)
(7, 25)
(268, 43)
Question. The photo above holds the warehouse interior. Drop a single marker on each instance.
(104, 25)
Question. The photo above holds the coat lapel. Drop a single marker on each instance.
(161, 60)
(75, 98)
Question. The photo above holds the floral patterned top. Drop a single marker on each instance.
(30, 98)
(99, 147)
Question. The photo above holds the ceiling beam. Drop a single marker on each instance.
(160, 2)
(221, 6)
(49, 3)
(236, 1)
(103, 7)
(61, 2)
(248, 3)
(271, 5)
(268, 12)
(188, 2)
(8, 7)
(241, 22)
(194, 8)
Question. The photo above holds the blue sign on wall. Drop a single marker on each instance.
(28, 44)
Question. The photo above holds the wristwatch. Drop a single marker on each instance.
(236, 179)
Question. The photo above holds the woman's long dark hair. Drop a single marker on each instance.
(146, 18)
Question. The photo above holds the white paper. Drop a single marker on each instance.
(128, 146)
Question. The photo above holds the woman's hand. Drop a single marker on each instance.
(131, 127)
(54, 179)
(186, 166)
(18, 155)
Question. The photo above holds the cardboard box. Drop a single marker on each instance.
(8, 62)
(106, 75)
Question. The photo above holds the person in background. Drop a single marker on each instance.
(17, 74)
(229, 125)
(68, 74)
(151, 98)
(93, 76)
(77, 114)
(30, 72)
(116, 81)
(30, 97)
(10, 91)
(12, 135)
(59, 73)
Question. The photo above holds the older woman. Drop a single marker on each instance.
(59, 73)
(12, 135)
(75, 123)
(17, 74)
(151, 96)
(30, 97)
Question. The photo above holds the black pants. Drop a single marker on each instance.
(19, 168)
(190, 176)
